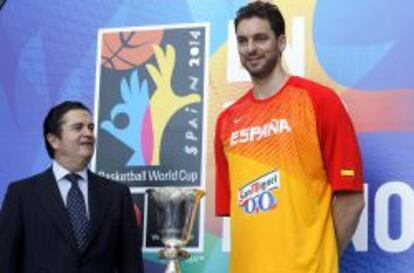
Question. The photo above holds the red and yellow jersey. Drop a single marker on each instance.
(278, 162)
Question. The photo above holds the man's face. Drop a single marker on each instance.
(76, 142)
(259, 49)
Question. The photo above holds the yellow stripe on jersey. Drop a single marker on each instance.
(347, 172)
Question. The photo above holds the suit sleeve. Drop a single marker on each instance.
(130, 254)
(10, 232)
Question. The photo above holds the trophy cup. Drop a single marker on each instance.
(175, 210)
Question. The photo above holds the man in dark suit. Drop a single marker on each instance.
(67, 219)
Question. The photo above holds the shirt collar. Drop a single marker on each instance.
(60, 172)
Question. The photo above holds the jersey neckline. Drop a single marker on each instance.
(276, 94)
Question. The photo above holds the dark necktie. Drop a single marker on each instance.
(77, 211)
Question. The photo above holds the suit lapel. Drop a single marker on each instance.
(98, 203)
(50, 197)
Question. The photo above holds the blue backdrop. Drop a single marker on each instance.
(48, 54)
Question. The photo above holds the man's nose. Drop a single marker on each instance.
(88, 131)
(251, 47)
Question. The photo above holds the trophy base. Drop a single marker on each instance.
(174, 253)
(173, 256)
(173, 266)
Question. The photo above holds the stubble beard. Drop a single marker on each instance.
(265, 70)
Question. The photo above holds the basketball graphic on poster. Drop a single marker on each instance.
(125, 50)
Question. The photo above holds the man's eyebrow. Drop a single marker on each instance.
(254, 35)
(76, 124)
(241, 37)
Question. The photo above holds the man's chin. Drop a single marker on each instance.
(254, 71)
(87, 156)
(259, 74)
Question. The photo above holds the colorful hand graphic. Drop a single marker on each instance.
(136, 100)
(164, 103)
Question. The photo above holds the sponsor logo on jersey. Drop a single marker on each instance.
(256, 133)
(257, 195)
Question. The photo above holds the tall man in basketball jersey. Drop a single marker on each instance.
(288, 167)
(67, 219)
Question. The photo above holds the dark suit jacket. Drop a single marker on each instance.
(36, 234)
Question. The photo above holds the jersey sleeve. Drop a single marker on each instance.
(339, 145)
(222, 176)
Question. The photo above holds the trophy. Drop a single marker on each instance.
(175, 210)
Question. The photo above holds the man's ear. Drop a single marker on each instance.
(281, 41)
(53, 140)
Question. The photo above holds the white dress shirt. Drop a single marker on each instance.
(64, 185)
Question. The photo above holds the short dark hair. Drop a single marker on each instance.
(54, 119)
(262, 10)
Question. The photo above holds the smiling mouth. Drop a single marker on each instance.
(254, 62)
(87, 144)
(254, 59)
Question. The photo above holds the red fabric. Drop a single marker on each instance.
(338, 142)
(222, 176)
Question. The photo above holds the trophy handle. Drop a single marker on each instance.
(199, 194)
